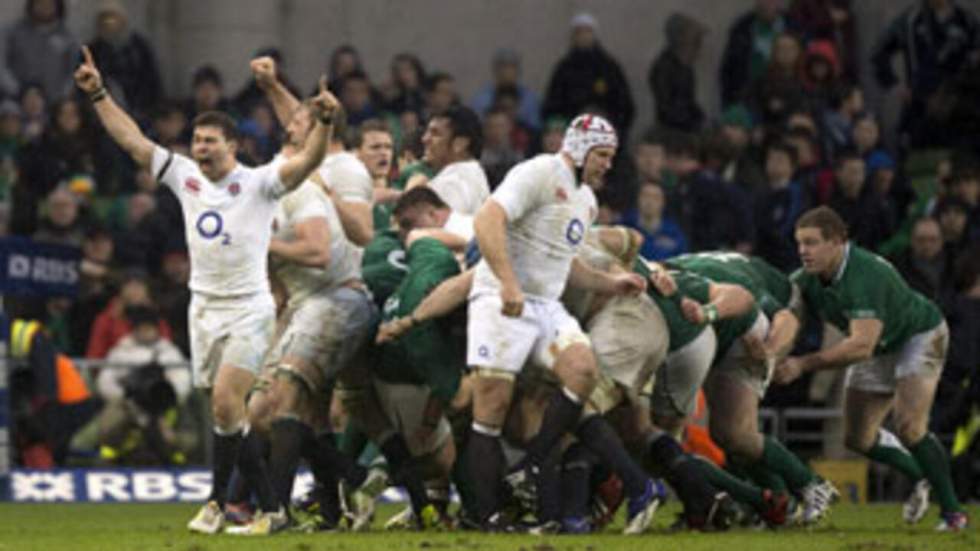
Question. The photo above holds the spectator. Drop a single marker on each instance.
(61, 225)
(356, 95)
(143, 345)
(662, 237)
(258, 135)
(778, 92)
(175, 296)
(507, 99)
(926, 266)
(881, 178)
(405, 90)
(832, 21)
(815, 178)
(965, 186)
(672, 78)
(953, 215)
(589, 79)
(207, 94)
(11, 144)
(70, 148)
(440, 94)
(96, 286)
(820, 73)
(498, 155)
(747, 53)
(34, 111)
(745, 168)
(126, 59)
(866, 135)
(39, 48)
(778, 207)
(649, 157)
(867, 223)
(681, 161)
(169, 125)
(111, 324)
(845, 104)
(552, 135)
(343, 61)
(935, 39)
(133, 243)
(506, 68)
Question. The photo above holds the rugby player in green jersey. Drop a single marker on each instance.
(894, 349)
(740, 374)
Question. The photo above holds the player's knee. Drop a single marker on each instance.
(859, 441)
(909, 430)
(492, 397)
(579, 371)
(228, 413)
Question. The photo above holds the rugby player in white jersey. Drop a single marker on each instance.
(346, 178)
(228, 210)
(453, 141)
(529, 232)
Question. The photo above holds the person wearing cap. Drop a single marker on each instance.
(529, 232)
(588, 78)
(506, 67)
(126, 57)
(671, 77)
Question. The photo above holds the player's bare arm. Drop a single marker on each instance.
(490, 225)
(120, 126)
(725, 301)
(622, 242)
(782, 334)
(299, 167)
(447, 238)
(282, 100)
(583, 276)
(445, 298)
(356, 218)
(859, 345)
(310, 245)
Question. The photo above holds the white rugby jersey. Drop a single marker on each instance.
(548, 217)
(347, 176)
(228, 223)
(463, 186)
(309, 201)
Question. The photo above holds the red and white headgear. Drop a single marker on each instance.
(585, 133)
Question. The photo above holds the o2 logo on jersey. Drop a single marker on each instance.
(209, 225)
(575, 231)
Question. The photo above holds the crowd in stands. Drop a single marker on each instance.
(794, 132)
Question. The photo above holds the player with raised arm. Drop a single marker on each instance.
(894, 350)
(228, 209)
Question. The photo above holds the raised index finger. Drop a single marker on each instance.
(88, 56)
(323, 83)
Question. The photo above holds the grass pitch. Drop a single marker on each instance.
(77, 527)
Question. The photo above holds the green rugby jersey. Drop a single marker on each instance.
(383, 265)
(698, 287)
(866, 286)
(770, 287)
(681, 332)
(430, 353)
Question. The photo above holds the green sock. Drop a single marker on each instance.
(740, 490)
(935, 465)
(764, 478)
(889, 450)
(351, 441)
(783, 462)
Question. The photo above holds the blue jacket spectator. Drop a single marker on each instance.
(662, 237)
(507, 73)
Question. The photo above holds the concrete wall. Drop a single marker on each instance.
(457, 36)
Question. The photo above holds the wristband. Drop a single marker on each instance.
(326, 120)
(710, 312)
(98, 95)
(414, 320)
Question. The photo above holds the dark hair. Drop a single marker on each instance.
(679, 144)
(465, 123)
(206, 73)
(840, 93)
(849, 154)
(413, 142)
(417, 196)
(412, 60)
(220, 120)
(716, 151)
(141, 315)
(785, 147)
(965, 174)
(59, 8)
(435, 78)
(370, 125)
(654, 136)
(506, 91)
(830, 224)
